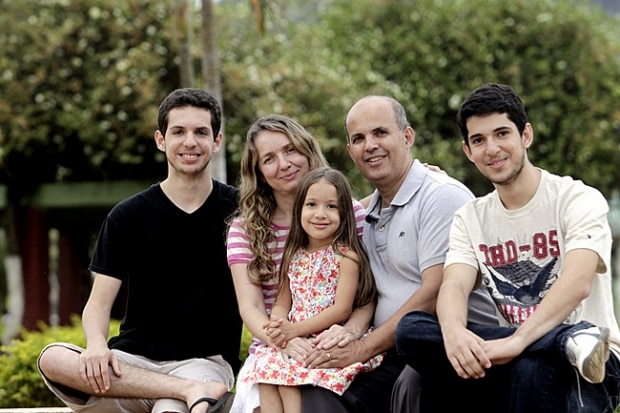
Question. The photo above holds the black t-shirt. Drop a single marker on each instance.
(181, 300)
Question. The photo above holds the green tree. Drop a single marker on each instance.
(80, 85)
(288, 70)
(562, 57)
(79, 81)
(209, 57)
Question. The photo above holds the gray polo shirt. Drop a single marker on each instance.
(411, 235)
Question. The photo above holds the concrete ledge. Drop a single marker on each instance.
(36, 410)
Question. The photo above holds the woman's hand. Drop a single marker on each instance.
(335, 335)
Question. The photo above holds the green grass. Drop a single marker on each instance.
(246, 339)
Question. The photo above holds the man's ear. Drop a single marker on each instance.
(409, 136)
(160, 141)
(528, 135)
(467, 151)
(217, 142)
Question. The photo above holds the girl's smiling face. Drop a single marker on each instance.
(320, 214)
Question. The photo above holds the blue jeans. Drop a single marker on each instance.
(539, 380)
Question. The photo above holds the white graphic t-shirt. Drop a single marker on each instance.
(519, 253)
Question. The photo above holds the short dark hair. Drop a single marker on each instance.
(492, 98)
(199, 98)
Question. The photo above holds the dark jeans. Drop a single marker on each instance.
(539, 380)
(369, 393)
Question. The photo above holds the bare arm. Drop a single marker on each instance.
(251, 302)
(435, 168)
(469, 354)
(463, 348)
(424, 299)
(366, 200)
(382, 339)
(278, 321)
(254, 314)
(340, 335)
(572, 286)
(282, 305)
(95, 359)
(458, 282)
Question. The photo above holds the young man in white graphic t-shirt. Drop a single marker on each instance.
(541, 244)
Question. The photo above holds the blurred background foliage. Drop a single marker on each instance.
(20, 380)
(80, 80)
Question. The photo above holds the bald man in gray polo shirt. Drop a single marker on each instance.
(406, 236)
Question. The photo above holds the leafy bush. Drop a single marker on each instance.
(246, 340)
(20, 382)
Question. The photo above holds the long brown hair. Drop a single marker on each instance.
(257, 203)
(345, 236)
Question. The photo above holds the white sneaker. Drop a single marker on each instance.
(588, 351)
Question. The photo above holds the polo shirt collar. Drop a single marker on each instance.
(412, 183)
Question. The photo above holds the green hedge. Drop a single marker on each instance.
(20, 382)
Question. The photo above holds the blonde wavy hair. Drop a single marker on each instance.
(257, 203)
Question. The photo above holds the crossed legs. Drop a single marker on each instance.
(59, 366)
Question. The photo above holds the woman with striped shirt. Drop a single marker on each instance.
(278, 153)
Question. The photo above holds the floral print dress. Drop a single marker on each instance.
(313, 279)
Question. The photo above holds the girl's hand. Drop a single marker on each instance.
(273, 329)
(298, 348)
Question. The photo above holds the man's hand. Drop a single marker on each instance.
(466, 353)
(336, 356)
(503, 350)
(94, 366)
(434, 168)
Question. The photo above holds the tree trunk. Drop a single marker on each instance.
(14, 272)
(212, 81)
(182, 31)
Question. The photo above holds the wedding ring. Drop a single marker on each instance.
(329, 356)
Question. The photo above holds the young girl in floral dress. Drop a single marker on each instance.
(325, 274)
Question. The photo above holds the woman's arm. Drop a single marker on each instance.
(251, 302)
(355, 327)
